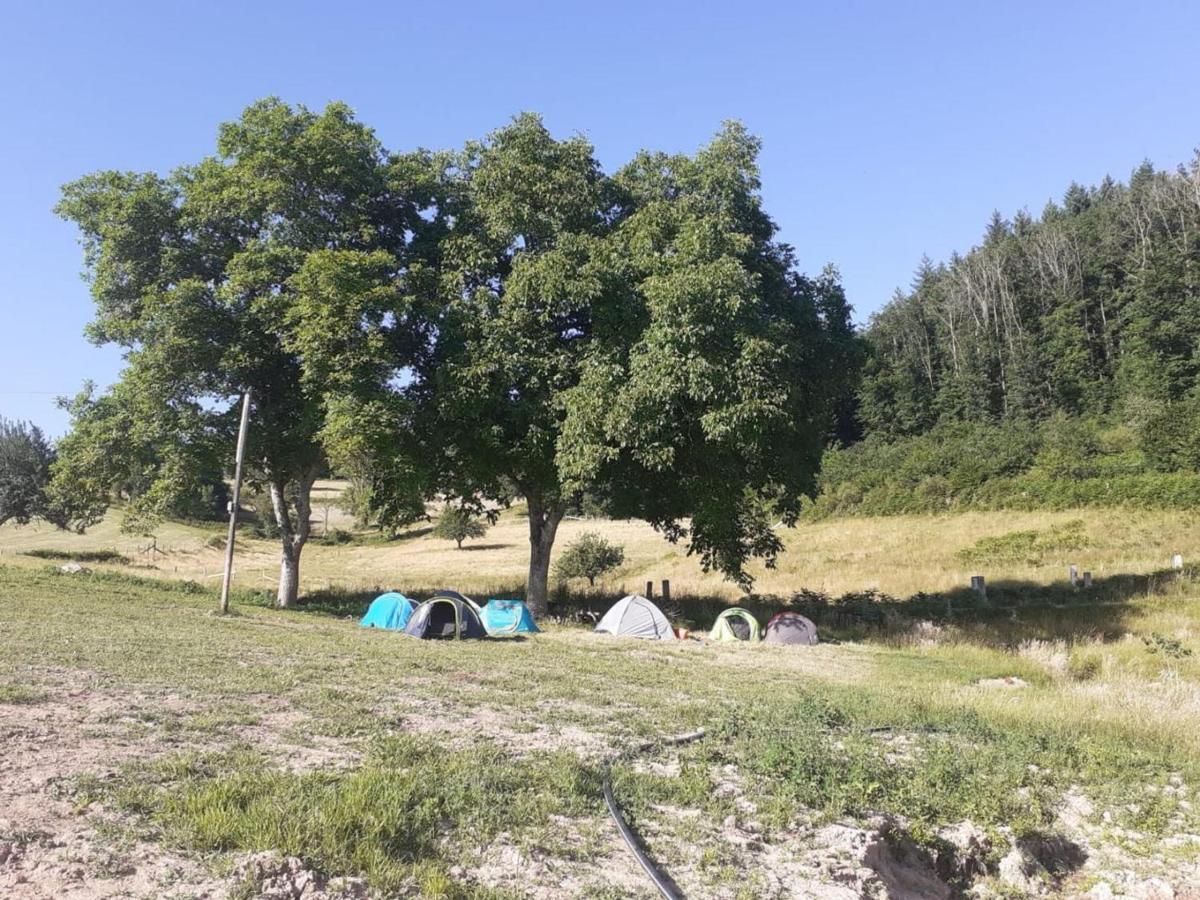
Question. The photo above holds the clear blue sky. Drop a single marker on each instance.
(890, 129)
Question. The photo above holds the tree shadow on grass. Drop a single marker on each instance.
(1014, 611)
(342, 603)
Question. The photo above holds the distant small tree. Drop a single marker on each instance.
(457, 524)
(589, 556)
(25, 459)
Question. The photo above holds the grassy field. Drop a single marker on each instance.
(900, 556)
(1062, 738)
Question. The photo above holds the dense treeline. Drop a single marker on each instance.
(1091, 309)
(1053, 365)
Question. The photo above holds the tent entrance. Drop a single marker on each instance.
(443, 620)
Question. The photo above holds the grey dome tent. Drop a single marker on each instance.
(790, 628)
(446, 616)
(461, 598)
(635, 616)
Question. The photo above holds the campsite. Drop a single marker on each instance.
(693, 451)
(164, 749)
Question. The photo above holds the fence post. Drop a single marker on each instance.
(979, 587)
(649, 590)
(1177, 562)
(1073, 574)
(1087, 580)
(666, 591)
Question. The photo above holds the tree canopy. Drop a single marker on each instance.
(25, 460)
(199, 274)
(640, 336)
(589, 556)
(458, 524)
(1089, 309)
(507, 320)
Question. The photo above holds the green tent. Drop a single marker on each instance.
(735, 624)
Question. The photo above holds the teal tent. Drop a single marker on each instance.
(508, 617)
(390, 610)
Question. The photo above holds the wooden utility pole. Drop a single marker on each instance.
(235, 503)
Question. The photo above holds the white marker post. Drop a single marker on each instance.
(979, 587)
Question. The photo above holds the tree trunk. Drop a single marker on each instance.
(543, 524)
(292, 536)
(289, 576)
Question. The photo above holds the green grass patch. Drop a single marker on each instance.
(20, 694)
(397, 820)
(1030, 547)
(81, 556)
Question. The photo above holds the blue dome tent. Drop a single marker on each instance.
(391, 610)
(508, 617)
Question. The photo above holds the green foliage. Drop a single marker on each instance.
(1167, 646)
(1062, 463)
(356, 500)
(204, 277)
(25, 462)
(588, 556)
(458, 524)
(1171, 436)
(97, 556)
(1084, 317)
(382, 820)
(1089, 310)
(162, 460)
(337, 537)
(1030, 547)
(639, 336)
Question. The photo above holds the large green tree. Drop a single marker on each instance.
(641, 336)
(710, 420)
(199, 275)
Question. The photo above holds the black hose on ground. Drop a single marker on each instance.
(665, 885)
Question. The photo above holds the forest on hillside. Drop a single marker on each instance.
(1055, 364)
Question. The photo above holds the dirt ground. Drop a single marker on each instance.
(51, 847)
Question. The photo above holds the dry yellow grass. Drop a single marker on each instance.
(899, 556)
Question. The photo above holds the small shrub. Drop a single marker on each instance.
(1167, 646)
(1083, 667)
(337, 537)
(458, 524)
(589, 556)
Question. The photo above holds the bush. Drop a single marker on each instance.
(337, 537)
(458, 524)
(1062, 463)
(589, 556)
